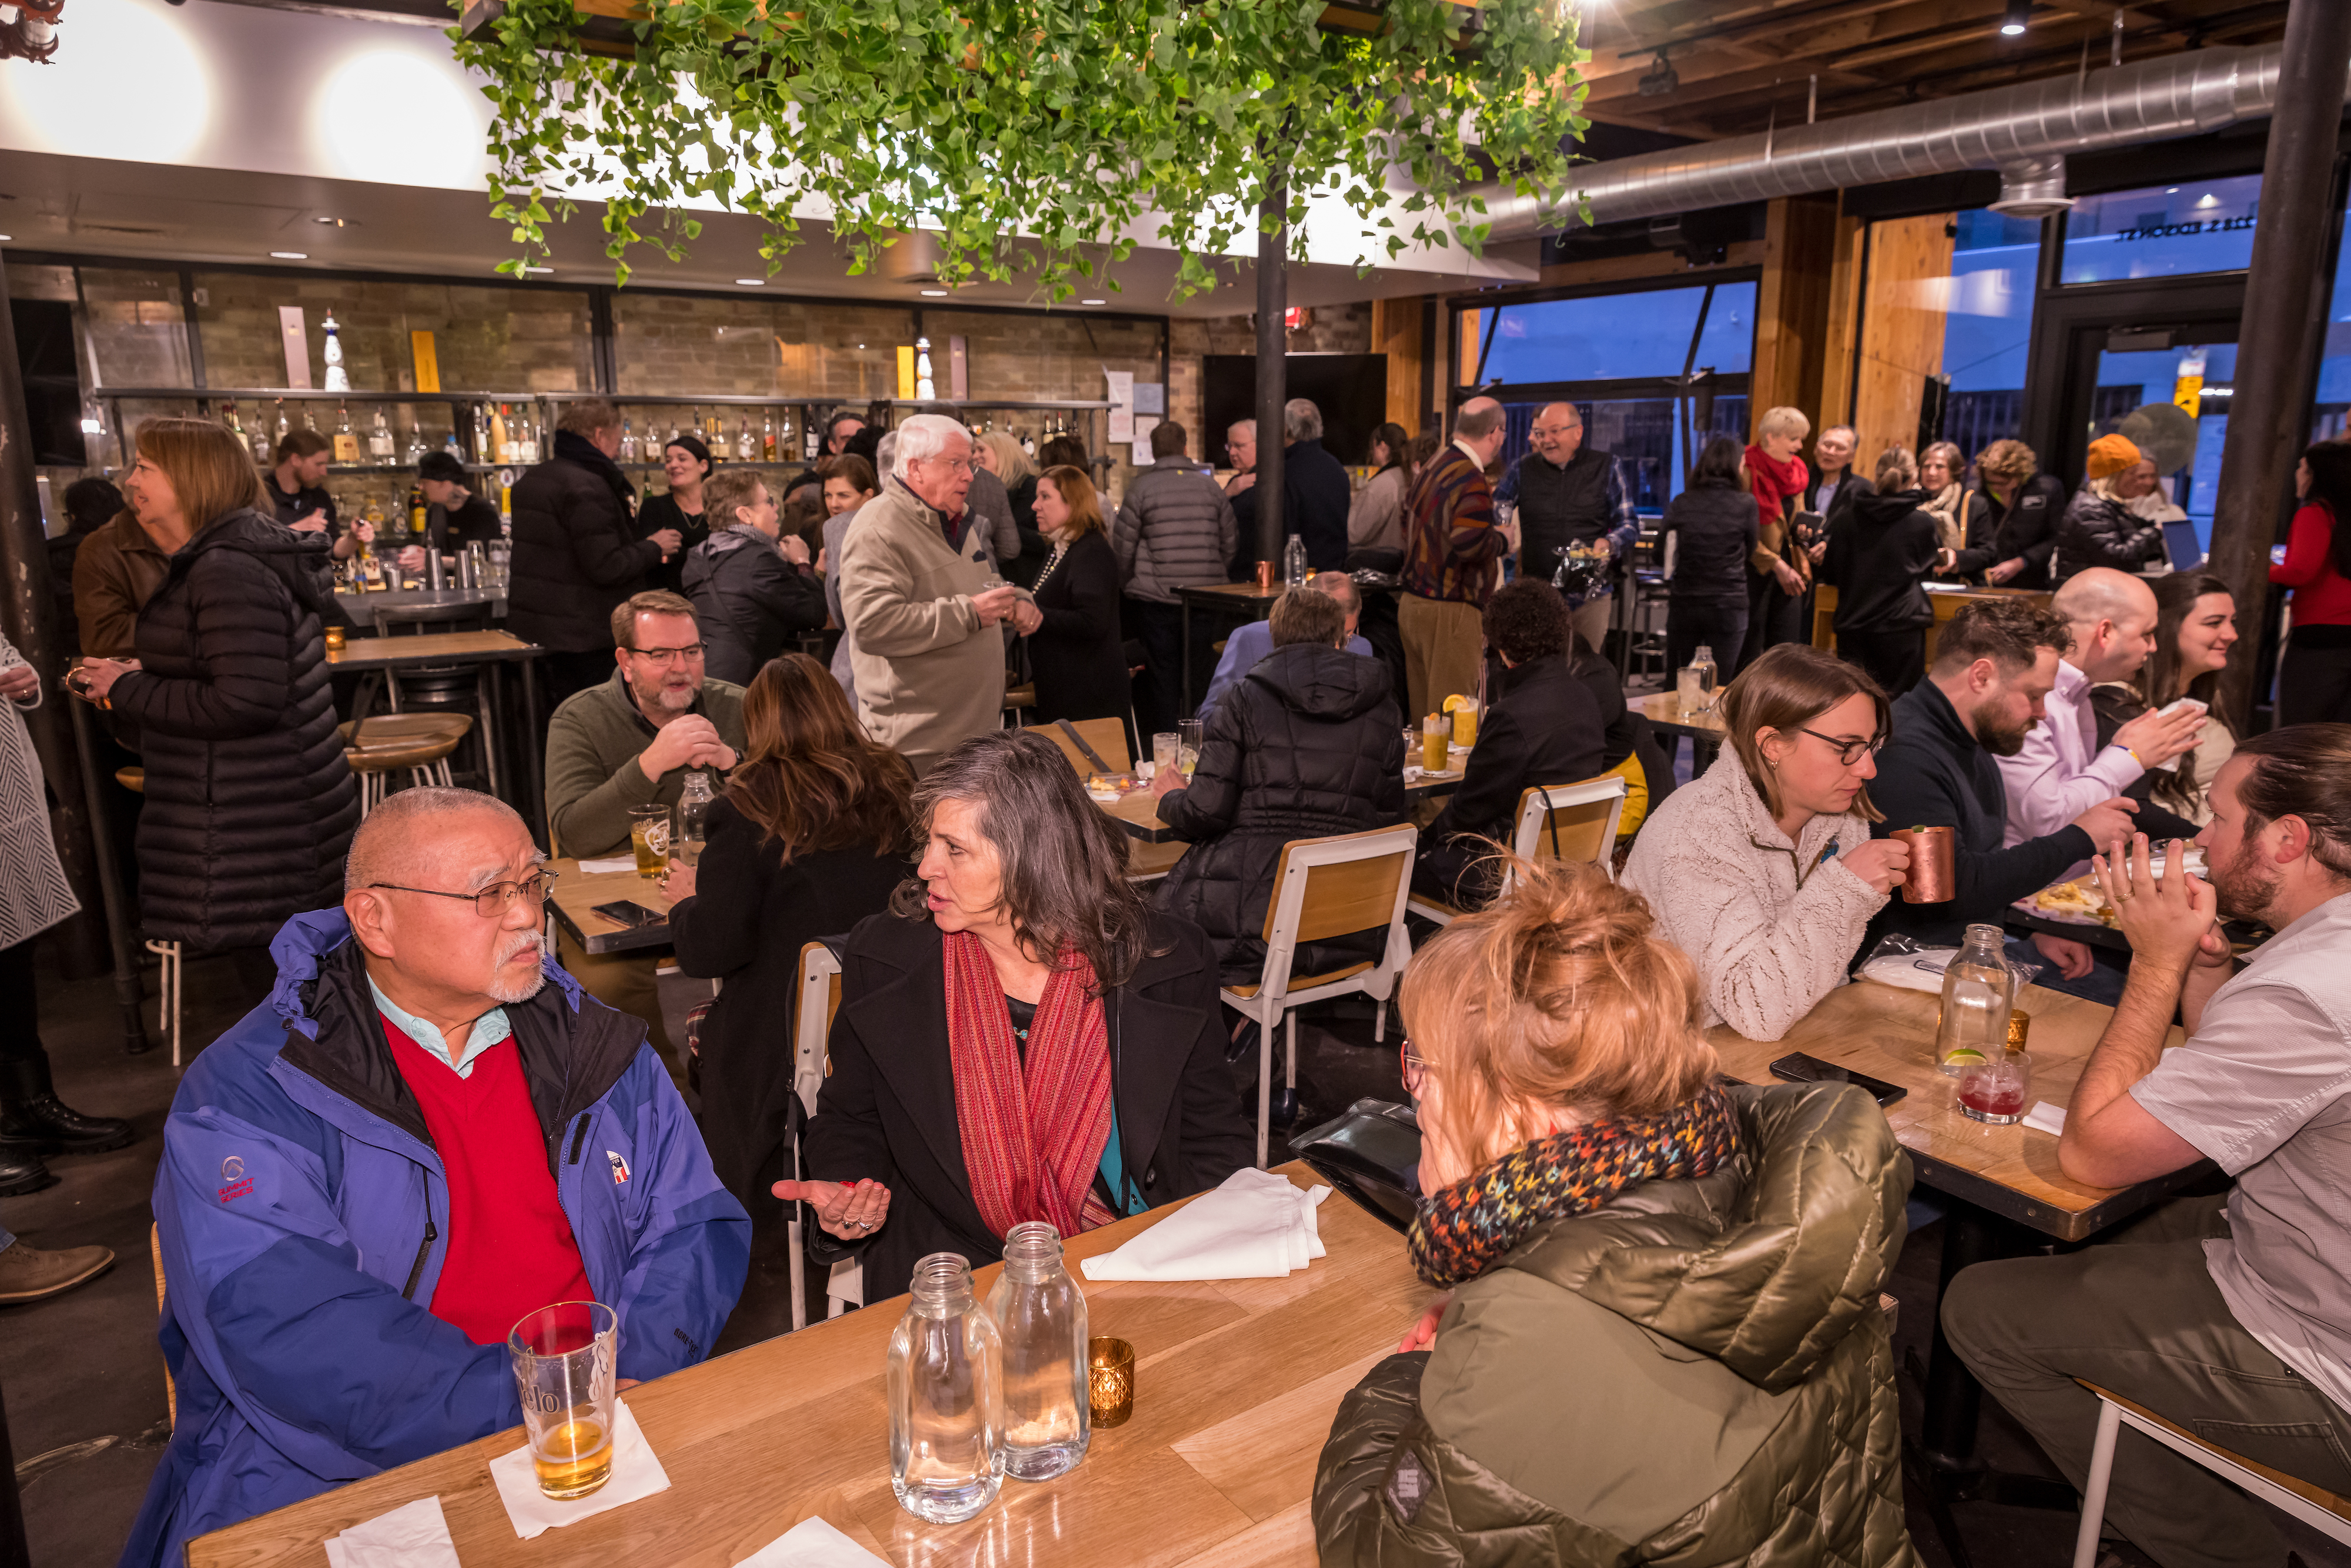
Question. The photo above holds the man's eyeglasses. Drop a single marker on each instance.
(1416, 1071)
(669, 655)
(1848, 751)
(966, 463)
(494, 900)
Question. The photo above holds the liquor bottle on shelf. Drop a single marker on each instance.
(259, 440)
(768, 437)
(674, 431)
(694, 423)
(746, 446)
(418, 525)
(811, 441)
(338, 379)
(501, 444)
(380, 445)
(346, 445)
(282, 426)
(228, 418)
(453, 447)
(415, 440)
(526, 437)
(628, 442)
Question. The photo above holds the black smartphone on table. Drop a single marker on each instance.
(1797, 1068)
(627, 912)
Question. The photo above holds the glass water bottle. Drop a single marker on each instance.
(946, 1398)
(1041, 1315)
(1979, 990)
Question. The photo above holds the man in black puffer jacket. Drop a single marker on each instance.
(1310, 744)
(750, 583)
(576, 553)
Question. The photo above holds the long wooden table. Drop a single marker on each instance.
(577, 893)
(1236, 1384)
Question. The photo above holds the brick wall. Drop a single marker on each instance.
(678, 345)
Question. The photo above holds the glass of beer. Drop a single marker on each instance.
(1435, 731)
(649, 836)
(1166, 750)
(563, 1360)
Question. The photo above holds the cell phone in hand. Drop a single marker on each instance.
(1799, 1068)
(629, 912)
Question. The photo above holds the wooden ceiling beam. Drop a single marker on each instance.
(1774, 37)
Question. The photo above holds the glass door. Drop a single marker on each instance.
(2168, 390)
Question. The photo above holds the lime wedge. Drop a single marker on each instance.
(1964, 1058)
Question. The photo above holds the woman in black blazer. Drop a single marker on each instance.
(1021, 1037)
(809, 838)
(1077, 654)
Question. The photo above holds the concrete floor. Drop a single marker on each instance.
(83, 1379)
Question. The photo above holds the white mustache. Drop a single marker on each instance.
(515, 944)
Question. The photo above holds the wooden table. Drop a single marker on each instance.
(1237, 602)
(1138, 811)
(1705, 730)
(488, 652)
(1236, 1384)
(577, 893)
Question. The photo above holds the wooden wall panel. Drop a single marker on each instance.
(1396, 332)
(1902, 319)
(1843, 322)
(1791, 306)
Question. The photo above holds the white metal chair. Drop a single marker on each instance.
(819, 998)
(1325, 888)
(1575, 823)
(2322, 1511)
(169, 959)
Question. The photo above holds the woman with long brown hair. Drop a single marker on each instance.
(811, 837)
(249, 806)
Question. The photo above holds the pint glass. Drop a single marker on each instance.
(563, 1358)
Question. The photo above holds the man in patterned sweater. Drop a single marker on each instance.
(1452, 559)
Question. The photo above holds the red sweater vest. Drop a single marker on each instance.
(510, 1245)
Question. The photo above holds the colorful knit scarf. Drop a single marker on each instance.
(1033, 1128)
(1468, 1228)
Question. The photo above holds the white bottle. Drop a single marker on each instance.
(1293, 561)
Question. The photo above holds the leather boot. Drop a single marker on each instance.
(31, 1114)
(27, 1274)
(21, 1170)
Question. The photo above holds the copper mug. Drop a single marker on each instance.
(1264, 575)
(1929, 878)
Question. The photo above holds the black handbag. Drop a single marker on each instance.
(1371, 1152)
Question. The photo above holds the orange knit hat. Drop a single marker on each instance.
(2110, 454)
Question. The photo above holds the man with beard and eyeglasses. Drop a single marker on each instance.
(2229, 1314)
(425, 1134)
(629, 742)
(1995, 665)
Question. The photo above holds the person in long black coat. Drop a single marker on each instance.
(1543, 725)
(1878, 555)
(1310, 744)
(750, 581)
(811, 838)
(577, 555)
(1316, 493)
(249, 806)
(1077, 654)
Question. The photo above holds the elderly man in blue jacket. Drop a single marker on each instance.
(426, 1131)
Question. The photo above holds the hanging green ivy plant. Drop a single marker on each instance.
(1033, 138)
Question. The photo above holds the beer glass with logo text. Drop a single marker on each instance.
(563, 1358)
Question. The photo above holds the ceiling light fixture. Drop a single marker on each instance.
(539, 269)
(290, 254)
(337, 222)
(2019, 13)
(5, 238)
(752, 282)
(1660, 82)
(1093, 301)
(933, 293)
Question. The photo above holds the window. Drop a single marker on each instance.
(2162, 231)
(1987, 331)
(2331, 418)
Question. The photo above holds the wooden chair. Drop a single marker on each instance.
(1573, 823)
(420, 742)
(168, 957)
(819, 998)
(1106, 735)
(1325, 888)
(2322, 1511)
(155, 1255)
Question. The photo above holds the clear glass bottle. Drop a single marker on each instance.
(379, 440)
(1040, 1314)
(1979, 993)
(628, 442)
(1293, 561)
(946, 1398)
(746, 446)
(692, 818)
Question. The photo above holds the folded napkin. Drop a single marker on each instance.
(2046, 1118)
(413, 1535)
(636, 1473)
(1257, 1225)
(609, 863)
(812, 1543)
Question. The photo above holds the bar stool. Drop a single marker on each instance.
(167, 953)
(420, 742)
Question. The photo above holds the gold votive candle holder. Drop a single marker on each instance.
(1109, 1381)
(335, 635)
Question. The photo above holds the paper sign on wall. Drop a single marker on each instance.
(1145, 424)
(297, 337)
(1151, 397)
(1122, 405)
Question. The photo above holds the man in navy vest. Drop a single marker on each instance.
(1568, 494)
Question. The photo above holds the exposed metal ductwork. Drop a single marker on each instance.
(2024, 131)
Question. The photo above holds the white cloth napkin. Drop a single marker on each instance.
(1257, 1225)
(413, 1535)
(609, 863)
(812, 1543)
(2047, 1118)
(636, 1473)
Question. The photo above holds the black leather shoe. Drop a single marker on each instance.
(32, 1117)
(21, 1170)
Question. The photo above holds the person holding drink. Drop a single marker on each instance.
(428, 1133)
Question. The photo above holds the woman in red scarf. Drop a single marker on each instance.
(1780, 567)
(1021, 1037)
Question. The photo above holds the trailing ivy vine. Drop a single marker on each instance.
(1035, 138)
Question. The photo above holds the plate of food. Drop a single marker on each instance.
(2078, 901)
(1110, 789)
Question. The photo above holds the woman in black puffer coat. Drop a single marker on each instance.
(249, 806)
(1310, 744)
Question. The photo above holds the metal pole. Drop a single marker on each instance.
(2267, 419)
(26, 612)
(1272, 381)
(127, 993)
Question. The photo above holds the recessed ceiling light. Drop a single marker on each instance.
(337, 222)
(2012, 25)
(934, 294)
(539, 269)
(1093, 301)
(291, 254)
(752, 282)
(5, 238)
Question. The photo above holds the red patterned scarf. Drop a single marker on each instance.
(1033, 1132)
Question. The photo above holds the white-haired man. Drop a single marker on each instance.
(427, 1132)
(915, 588)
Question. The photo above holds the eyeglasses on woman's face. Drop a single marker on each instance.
(1848, 749)
(1415, 1069)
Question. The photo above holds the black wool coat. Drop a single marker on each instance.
(250, 807)
(748, 918)
(576, 551)
(1543, 728)
(1077, 654)
(1309, 744)
(1316, 496)
(888, 1111)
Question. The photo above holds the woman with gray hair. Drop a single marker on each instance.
(1021, 1037)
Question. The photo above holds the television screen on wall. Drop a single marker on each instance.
(1351, 390)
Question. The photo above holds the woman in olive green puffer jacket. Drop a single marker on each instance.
(1665, 1344)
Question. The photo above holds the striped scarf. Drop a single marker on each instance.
(1466, 1229)
(1033, 1130)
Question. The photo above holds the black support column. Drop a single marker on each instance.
(1272, 381)
(2268, 419)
